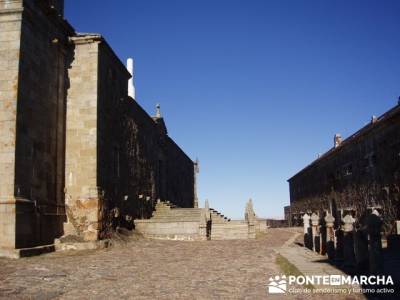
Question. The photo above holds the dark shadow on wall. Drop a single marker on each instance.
(45, 56)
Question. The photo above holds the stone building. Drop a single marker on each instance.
(77, 154)
(357, 176)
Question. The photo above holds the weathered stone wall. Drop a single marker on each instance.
(360, 174)
(99, 152)
(154, 167)
(119, 159)
(140, 162)
(38, 52)
(81, 193)
(10, 32)
(180, 176)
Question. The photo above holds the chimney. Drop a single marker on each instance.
(337, 140)
(131, 87)
(158, 110)
(374, 119)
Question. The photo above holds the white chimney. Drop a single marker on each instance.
(337, 140)
(131, 87)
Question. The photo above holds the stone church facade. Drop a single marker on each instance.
(78, 156)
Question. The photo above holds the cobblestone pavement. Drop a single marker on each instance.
(146, 269)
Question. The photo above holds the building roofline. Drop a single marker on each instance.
(84, 38)
(349, 140)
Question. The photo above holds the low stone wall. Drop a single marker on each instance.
(261, 225)
(272, 223)
(232, 230)
(171, 223)
(170, 230)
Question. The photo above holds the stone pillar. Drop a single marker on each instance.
(307, 230)
(330, 236)
(393, 240)
(361, 249)
(250, 217)
(315, 232)
(10, 22)
(374, 224)
(322, 236)
(348, 241)
(196, 171)
(203, 224)
(207, 209)
(208, 218)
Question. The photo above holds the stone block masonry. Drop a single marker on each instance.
(356, 176)
(119, 159)
(192, 224)
(75, 150)
(34, 50)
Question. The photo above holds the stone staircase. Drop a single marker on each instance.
(232, 230)
(175, 223)
(217, 217)
(223, 228)
(170, 222)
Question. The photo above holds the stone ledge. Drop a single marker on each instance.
(26, 252)
(89, 245)
(4, 11)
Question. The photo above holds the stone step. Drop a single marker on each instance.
(177, 215)
(229, 231)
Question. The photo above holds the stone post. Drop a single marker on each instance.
(393, 240)
(361, 249)
(307, 237)
(203, 224)
(250, 217)
(330, 236)
(196, 171)
(315, 232)
(374, 224)
(208, 218)
(348, 241)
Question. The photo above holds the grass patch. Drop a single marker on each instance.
(289, 269)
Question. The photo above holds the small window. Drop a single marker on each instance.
(348, 170)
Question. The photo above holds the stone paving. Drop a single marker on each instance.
(145, 269)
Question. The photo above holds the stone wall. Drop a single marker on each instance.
(35, 40)
(119, 159)
(357, 176)
(81, 193)
(10, 32)
(73, 146)
(180, 176)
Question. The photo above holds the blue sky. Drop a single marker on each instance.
(255, 89)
